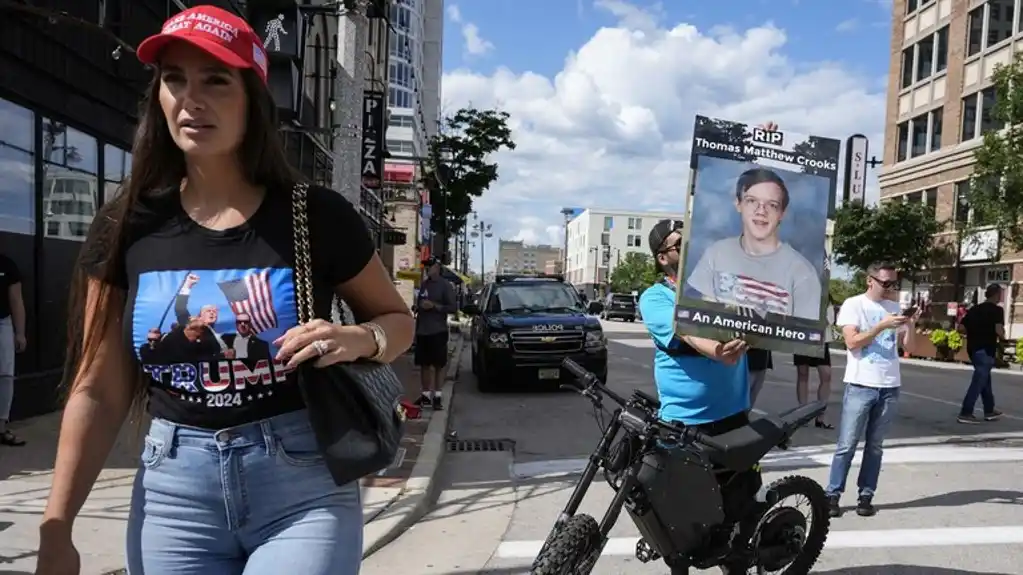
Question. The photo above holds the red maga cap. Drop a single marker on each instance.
(219, 33)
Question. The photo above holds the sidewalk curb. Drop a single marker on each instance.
(942, 364)
(415, 499)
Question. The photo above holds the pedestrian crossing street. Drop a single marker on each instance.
(944, 508)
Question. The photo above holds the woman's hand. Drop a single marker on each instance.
(330, 342)
(57, 555)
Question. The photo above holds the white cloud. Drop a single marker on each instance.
(475, 44)
(613, 128)
(847, 25)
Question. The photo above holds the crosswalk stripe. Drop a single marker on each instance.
(809, 457)
(851, 539)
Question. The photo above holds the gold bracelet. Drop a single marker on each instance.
(379, 338)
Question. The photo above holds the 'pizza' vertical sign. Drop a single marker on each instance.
(373, 130)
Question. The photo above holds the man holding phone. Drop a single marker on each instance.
(872, 325)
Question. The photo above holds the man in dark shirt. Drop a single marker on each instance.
(984, 327)
(434, 303)
(12, 340)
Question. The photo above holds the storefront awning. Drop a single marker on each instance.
(399, 173)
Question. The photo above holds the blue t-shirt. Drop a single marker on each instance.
(693, 389)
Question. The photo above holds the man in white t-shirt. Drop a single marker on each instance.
(871, 325)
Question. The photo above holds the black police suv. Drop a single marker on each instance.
(525, 326)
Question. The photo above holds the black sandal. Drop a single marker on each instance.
(9, 439)
(820, 424)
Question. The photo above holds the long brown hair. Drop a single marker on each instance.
(157, 169)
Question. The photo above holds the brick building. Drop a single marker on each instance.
(939, 105)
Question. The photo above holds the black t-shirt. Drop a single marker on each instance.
(203, 307)
(9, 275)
(980, 322)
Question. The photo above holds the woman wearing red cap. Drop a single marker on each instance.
(185, 303)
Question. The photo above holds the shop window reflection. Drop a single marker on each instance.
(70, 182)
(17, 172)
(116, 168)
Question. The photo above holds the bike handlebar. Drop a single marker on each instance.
(590, 381)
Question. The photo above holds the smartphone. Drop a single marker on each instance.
(909, 311)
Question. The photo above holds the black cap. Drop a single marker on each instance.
(660, 232)
(428, 262)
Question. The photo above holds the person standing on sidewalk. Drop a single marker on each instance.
(12, 341)
(436, 301)
(232, 479)
(803, 364)
(984, 327)
(871, 324)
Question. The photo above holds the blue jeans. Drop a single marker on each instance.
(980, 384)
(250, 500)
(865, 411)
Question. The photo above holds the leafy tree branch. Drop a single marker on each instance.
(460, 155)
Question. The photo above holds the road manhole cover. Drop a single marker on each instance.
(479, 445)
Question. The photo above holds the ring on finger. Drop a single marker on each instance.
(321, 346)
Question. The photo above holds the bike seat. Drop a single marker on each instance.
(746, 446)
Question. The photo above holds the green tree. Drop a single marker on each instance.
(460, 156)
(995, 192)
(898, 232)
(842, 290)
(636, 272)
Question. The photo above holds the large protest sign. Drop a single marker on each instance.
(754, 263)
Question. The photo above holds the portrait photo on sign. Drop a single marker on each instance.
(755, 264)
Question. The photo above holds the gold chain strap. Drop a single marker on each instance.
(303, 266)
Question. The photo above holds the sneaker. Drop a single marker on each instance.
(834, 509)
(437, 404)
(995, 415)
(968, 419)
(864, 508)
(423, 401)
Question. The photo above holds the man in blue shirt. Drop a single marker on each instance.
(700, 382)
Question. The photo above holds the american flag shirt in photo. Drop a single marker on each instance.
(746, 291)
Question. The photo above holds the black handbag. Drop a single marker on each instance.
(355, 408)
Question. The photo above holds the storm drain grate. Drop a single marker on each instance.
(478, 445)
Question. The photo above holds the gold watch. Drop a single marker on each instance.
(379, 338)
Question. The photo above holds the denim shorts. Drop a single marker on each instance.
(255, 499)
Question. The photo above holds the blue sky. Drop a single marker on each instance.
(603, 93)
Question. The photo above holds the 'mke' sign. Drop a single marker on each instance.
(765, 137)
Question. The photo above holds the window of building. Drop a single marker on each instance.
(962, 207)
(902, 153)
(911, 5)
(70, 182)
(605, 239)
(609, 223)
(116, 167)
(924, 58)
(401, 121)
(17, 156)
(969, 130)
(399, 98)
(928, 198)
(635, 223)
(975, 31)
(919, 135)
(907, 67)
(1000, 19)
(941, 50)
(988, 123)
(401, 147)
(936, 123)
(918, 131)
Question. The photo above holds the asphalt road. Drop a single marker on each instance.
(949, 501)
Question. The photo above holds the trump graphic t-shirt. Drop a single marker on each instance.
(204, 307)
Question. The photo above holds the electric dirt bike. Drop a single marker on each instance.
(697, 500)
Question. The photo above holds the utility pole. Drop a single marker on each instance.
(352, 40)
(567, 213)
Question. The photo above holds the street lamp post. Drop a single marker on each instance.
(480, 229)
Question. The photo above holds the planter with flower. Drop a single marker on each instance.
(939, 339)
